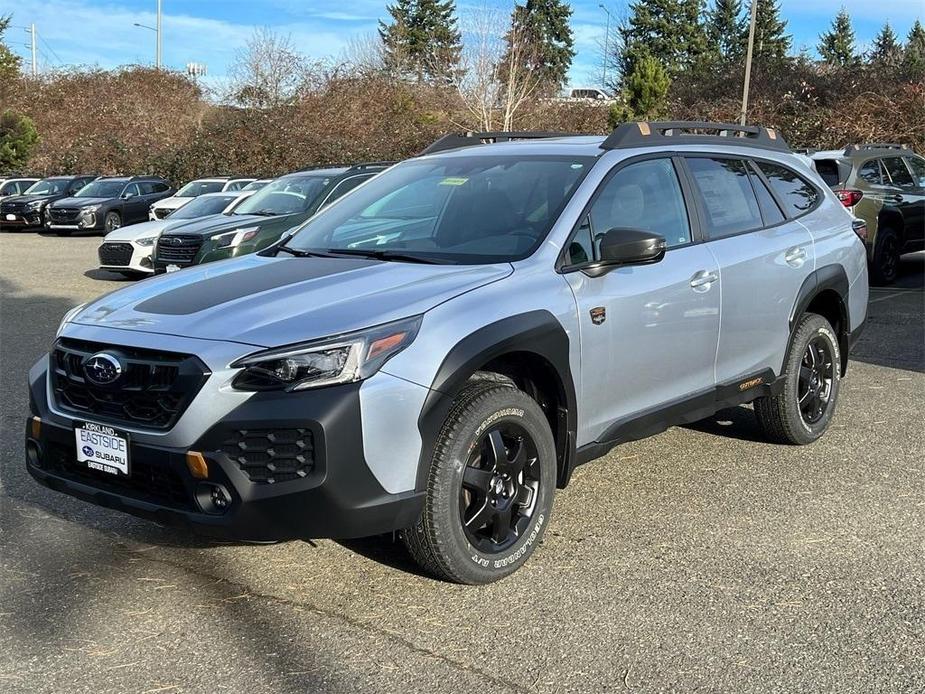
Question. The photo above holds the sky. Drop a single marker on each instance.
(101, 32)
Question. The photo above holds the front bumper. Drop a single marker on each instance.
(22, 220)
(139, 261)
(337, 496)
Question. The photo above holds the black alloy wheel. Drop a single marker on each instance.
(500, 486)
(817, 372)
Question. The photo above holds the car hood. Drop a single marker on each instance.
(216, 223)
(29, 198)
(138, 231)
(80, 202)
(274, 301)
(172, 201)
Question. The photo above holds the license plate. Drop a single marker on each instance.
(11, 217)
(102, 448)
(173, 268)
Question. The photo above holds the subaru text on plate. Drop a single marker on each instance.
(436, 352)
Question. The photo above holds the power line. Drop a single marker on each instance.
(57, 57)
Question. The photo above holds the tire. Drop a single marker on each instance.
(111, 222)
(884, 266)
(507, 511)
(801, 413)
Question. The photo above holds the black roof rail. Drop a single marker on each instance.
(851, 149)
(643, 133)
(470, 138)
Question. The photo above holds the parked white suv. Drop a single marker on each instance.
(193, 189)
(128, 250)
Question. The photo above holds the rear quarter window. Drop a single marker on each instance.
(828, 170)
(870, 173)
(797, 194)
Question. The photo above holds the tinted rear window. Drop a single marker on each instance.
(828, 169)
(794, 191)
(870, 173)
(769, 208)
(898, 172)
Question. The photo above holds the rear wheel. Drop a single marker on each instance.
(801, 413)
(884, 267)
(490, 487)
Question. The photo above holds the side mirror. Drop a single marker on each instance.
(629, 247)
(126, 196)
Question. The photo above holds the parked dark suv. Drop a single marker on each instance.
(262, 219)
(883, 184)
(107, 203)
(28, 210)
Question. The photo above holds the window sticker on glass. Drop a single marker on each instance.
(453, 181)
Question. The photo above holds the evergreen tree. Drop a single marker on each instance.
(771, 43)
(422, 41)
(670, 31)
(9, 61)
(544, 42)
(725, 27)
(644, 94)
(836, 46)
(887, 51)
(17, 138)
(914, 54)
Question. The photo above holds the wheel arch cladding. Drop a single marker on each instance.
(532, 349)
(825, 292)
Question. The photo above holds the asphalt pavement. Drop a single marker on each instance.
(702, 559)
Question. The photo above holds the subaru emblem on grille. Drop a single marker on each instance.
(102, 369)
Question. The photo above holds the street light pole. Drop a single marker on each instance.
(157, 62)
(35, 67)
(748, 62)
(606, 45)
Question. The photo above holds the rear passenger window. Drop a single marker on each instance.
(898, 172)
(770, 212)
(646, 196)
(828, 169)
(727, 196)
(870, 172)
(795, 191)
(918, 170)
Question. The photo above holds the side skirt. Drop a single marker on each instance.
(684, 411)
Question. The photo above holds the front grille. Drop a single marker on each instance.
(154, 389)
(268, 456)
(147, 481)
(115, 254)
(161, 212)
(12, 208)
(63, 214)
(177, 249)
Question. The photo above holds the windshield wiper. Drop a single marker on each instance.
(262, 213)
(387, 255)
(298, 253)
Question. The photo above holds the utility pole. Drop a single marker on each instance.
(35, 66)
(606, 45)
(157, 61)
(748, 62)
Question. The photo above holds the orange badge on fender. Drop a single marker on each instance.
(598, 315)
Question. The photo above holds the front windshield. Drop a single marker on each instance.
(478, 209)
(48, 186)
(200, 207)
(101, 189)
(287, 195)
(196, 188)
(254, 185)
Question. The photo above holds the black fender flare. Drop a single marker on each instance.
(828, 277)
(538, 332)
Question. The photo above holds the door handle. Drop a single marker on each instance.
(895, 198)
(703, 280)
(795, 257)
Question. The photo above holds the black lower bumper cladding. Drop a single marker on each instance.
(328, 491)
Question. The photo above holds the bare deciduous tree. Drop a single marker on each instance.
(494, 90)
(267, 71)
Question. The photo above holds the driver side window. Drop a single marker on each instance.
(645, 196)
(130, 190)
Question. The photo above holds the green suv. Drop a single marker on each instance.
(884, 185)
(260, 220)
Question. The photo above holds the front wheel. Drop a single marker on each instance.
(112, 222)
(490, 487)
(801, 413)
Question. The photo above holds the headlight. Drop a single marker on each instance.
(89, 209)
(146, 241)
(232, 239)
(35, 205)
(68, 316)
(340, 359)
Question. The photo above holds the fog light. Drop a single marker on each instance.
(33, 453)
(213, 498)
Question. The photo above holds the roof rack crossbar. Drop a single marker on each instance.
(644, 133)
(470, 138)
(851, 149)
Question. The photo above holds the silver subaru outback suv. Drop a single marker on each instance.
(437, 351)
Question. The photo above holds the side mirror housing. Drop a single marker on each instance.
(126, 196)
(620, 247)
